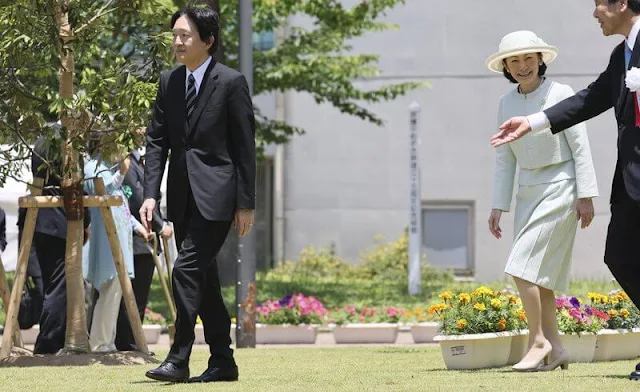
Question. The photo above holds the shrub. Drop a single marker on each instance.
(481, 311)
(617, 306)
(292, 309)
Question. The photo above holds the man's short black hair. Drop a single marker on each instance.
(207, 22)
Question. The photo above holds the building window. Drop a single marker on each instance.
(264, 40)
(447, 235)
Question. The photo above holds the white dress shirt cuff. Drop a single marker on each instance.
(538, 122)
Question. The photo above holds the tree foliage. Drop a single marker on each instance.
(121, 46)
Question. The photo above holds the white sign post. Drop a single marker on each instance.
(415, 218)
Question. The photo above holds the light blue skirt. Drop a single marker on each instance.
(545, 229)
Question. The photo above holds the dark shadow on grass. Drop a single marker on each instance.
(25, 358)
(158, 383)
(611, 376)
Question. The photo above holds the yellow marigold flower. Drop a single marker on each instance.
(614, 301)
(522, 315)
(624, 296)
(496, 303)
(512, 299)
(461, 323)
(624, 313)
(446, 295)
(437, 308)
(604, 299)
(618, 297)
(502, 324)
(479, 306)
(613, 313)
(464, 298)
(482, 290)
(595, 297)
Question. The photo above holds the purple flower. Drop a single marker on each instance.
(284, 301)
(588, 310)
(575, 302)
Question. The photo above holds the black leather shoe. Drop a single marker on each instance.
(217, 374)
(635, 375)
(169, 372)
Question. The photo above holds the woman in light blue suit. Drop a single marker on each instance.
(556, 183)
(98, 264)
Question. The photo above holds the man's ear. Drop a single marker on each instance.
(210, 42)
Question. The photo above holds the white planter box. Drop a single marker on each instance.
(476, 351)
(199, 332)
(30, 335)
(581, 347)
(366, 333)
(519, 346)
(151, 333)
(424, 332)
(617, 344)
(286, 334)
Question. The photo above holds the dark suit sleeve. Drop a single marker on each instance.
(3, 230)
(243, 145)
(134, 181)
(157, 144)
(587, 103)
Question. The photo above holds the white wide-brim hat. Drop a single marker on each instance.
(517, 43)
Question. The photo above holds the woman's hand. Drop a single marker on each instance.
(494, 223)
(585, 211)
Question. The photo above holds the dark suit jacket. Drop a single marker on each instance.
(609, 90)
(51, 221)
(214, 155)
(135, 180)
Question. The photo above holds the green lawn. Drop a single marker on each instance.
(329, 369)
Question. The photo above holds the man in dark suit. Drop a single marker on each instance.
(203, 114)
(49, 241)
(622, 254)
(143, 263)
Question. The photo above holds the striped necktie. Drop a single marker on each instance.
(191, 96)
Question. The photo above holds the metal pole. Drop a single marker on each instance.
(415, 218)
(246, 268)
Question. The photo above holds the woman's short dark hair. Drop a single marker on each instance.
(207, 22)
(541, 71)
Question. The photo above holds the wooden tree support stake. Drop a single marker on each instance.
(6, 293)
(21, 273)
(163, 282)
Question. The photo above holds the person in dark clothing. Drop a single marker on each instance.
(142, 259)
(49, 242)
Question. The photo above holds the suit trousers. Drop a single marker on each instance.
(53, 320)
(144, 267)
(196, 289)
(622, 253)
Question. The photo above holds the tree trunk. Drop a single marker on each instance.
(76, 339)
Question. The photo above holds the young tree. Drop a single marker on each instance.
(94, 65)
(64, 61)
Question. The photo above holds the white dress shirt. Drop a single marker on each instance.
(198, 74)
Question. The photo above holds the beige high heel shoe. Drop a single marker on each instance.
(535, 365)
(562, 360)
